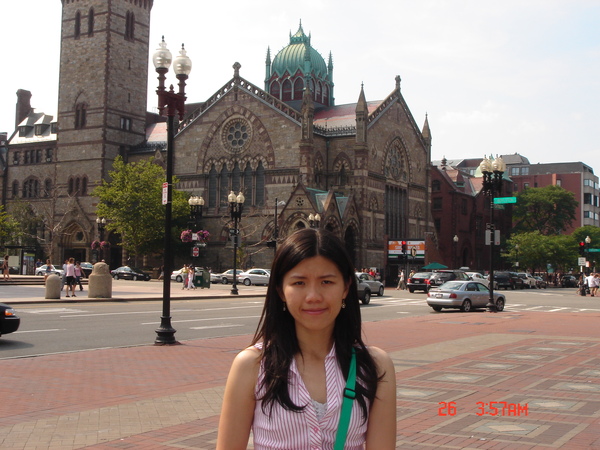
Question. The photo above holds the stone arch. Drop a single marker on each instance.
(396, 163)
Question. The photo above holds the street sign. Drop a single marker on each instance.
(504, 200)
(581, 261)
(594, 250)
(195, 252)
(165, 193)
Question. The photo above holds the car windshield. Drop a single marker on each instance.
(135, 269)
(452, 285)
(422, 275)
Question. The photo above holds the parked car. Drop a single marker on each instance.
(463, 295)
(568, 281)
(364, 291)
(528, 280)
(130, 273)
(41, 271)
(9, 321)
(178, 275)
(225, 277)
(540, 282)
(441, 276)
(375, 285)
(255, 276)
(418, 282)
(86, 268)
(508, 280)
(477, 276)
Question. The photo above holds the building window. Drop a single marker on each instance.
(559, 182)
(287, 90)
(587, 199)
(91, 22)
(77, 25)
(514, 170)
(437, 203)
(25, 157)
(516, 187)
(524, 170)
(15, 189)
(129, 26)
(436, 186)
(48, 155)
(274, 89)
(16, 157)
(125, 123)
(525, 185)
(438, 225)
(31, 188)
(47, 187)
(298, 88)
(80, 115)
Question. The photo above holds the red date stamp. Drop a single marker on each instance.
(487, 409)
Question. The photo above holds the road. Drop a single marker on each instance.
(69, 327)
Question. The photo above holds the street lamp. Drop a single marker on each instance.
(314, 220)
(492, 184)
(196, 207)
(101, 223)
(588, 241)
(169, 103)
(236, 205)
(455, 239)
(517, 252)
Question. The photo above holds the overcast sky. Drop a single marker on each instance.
(517, 76)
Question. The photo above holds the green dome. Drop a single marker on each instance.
(292, 57)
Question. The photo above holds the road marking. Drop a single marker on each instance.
(205, 320)
(39, 331)
(51, 311)
(229, 325)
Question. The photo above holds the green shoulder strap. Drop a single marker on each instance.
(349, 396)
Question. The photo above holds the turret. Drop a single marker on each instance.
(268, 69)
(362, 113)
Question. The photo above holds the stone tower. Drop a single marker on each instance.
(103, 84)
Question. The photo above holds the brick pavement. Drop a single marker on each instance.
(545, 367)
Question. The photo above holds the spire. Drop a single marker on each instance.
(362, 113)
(426, 132)
(268, 69)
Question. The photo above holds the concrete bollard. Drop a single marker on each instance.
(53, 283)
(100, 282)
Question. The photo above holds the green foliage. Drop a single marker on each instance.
(534, 251)
(9, 228)
(549, 210)
(131, 202)
(589, 230)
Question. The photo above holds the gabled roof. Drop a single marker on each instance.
(341, 115)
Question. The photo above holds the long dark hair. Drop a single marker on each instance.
(276, 328)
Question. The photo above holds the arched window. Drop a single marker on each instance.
(298, 88)
(71, 186)
(212, 187)
(223, 185)
(248, 175)
(77, 186)
(31, 188)
(129, 26)
(318, 92)
(260, 185)
(91, 22)
(236, 181)
(326, 95)
(274, 89)
(77, 25)
(287, 90)
(80, 115)
(343, 176)
(47, 187)
(84, 185)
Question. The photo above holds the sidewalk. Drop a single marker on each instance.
(541, 370)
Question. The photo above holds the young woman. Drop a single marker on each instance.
(288, 386)
(70, 276)
(5, 268)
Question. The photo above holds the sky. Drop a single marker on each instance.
(517, 76)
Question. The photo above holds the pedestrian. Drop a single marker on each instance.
(161, 272)
(288, 386)
(63, 279)
(591, 283)
(191, 273)
(70, 276)
(5, 268)
(411, 274)
(582, 285)
(49, 269)
(401, 282)
(184, 276)
(78, 275)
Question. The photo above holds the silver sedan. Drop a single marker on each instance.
(463, 295)
(255, 276)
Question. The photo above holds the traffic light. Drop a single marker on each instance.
(582, 248)
(404, 247)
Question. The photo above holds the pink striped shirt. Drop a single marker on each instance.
(303, 431)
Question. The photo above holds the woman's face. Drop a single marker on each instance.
(313, 293)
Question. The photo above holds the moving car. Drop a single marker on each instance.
(541, 283)
(364, 291)
(9, 321)
(508, 280)
(41, 271)
(418, 282)
(463, 295)
(225, 277)
(441, 276)
(255, 276)
(375, 286)
(130, 273)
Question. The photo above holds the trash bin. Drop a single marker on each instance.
(202, 279)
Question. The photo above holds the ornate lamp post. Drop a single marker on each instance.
(196, 206)
(588, 241)
(314, 220)
(455, 240)
(517, 251)
(492, 183)
(169, 104)
(236, 205)
(101, 224)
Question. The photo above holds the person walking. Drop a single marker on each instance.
(592, 283)
(401, 282)
(184, 276)
(191, 274)
(288, 386)
(78, 275)
(70, 276)
(5, 269)
(49, 269)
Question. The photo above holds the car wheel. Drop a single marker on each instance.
(411, 290)
(247, 282)
(500, 304)
(224, 280)
(436, 308)
(466, 306)
(367, 299)
(178, 279)
(380, 293)
(134, 278)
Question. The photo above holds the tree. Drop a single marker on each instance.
(10, 231)
(131, 203)
(534, 251)
(549, 210)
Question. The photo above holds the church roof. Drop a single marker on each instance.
(341, 115)
(291, 59)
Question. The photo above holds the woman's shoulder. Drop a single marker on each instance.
(381, 358)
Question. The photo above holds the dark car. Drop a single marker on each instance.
(87, 268)
(568, 281)
(129, 273)
(9, 321)
(508, 280)
(418, 282)
(441, 276)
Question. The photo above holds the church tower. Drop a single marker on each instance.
(102, 86)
